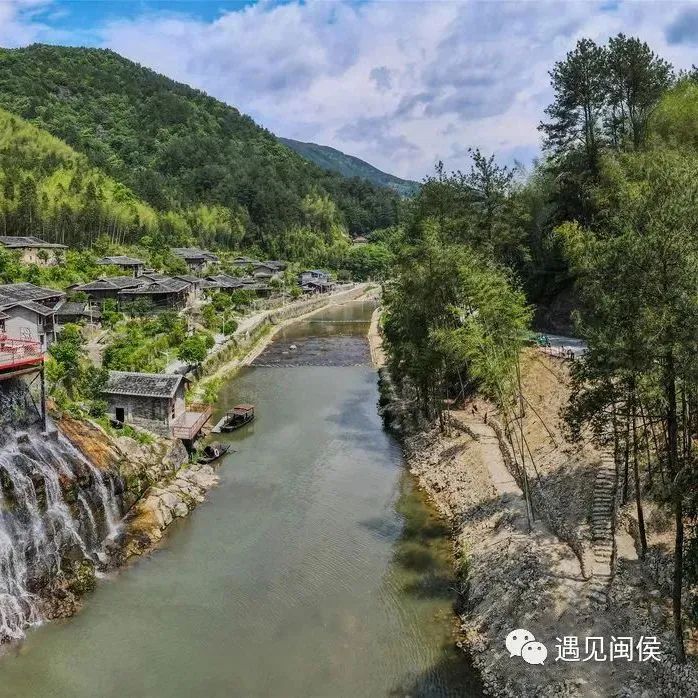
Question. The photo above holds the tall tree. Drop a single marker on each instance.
(638, 274)
(576, 114)
(637, 79)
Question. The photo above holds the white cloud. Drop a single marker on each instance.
(20, 23)
(400, 84)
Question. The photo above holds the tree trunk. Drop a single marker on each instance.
(672, 450)
(678, 580)
(638, 493)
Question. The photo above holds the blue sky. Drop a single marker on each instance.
(400, 84)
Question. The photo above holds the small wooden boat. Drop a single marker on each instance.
(213, 451)
(238, 417)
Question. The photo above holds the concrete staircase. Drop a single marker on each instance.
(603, 531)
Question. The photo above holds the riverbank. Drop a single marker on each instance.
(252, 337)
(151, 481)
(546, 581)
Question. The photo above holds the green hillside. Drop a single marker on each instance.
(48, 189)
(350, 166)
(176, 147)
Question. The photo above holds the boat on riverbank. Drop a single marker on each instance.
(237, 418)
(213, 452)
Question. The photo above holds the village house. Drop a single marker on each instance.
(360, 240)
(317, 286)
(32, 250)
(276, 264)
(222, 282)
(265, 272)
(312, 275)
(28, 312)
(156, 402)
(195, 258)
(244, 262)
(129, 264)
(195, 286)
(164, 294)
(107, 287)
(76, 312)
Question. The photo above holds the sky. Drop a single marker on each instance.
(400, 84)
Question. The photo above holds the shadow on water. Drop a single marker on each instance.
(423, 568)
(450, 677)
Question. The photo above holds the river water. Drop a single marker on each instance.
(315, 569)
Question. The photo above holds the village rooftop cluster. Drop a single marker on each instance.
(32, 317)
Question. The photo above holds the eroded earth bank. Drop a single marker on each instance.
(574, 574)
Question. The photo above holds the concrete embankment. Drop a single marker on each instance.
(538, 579)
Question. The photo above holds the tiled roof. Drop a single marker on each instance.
(13, 293)
(35, 307)
(122, 261)
(110, 283)
(224, 281)
(77, 308)
(194, 253)
(29, 242)
(162, 385)
(164, 286)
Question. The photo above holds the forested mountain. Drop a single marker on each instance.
(349, 166)
(48, 189)
(175, 146)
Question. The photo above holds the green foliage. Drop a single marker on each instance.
(48, 189)
(75, 384)
(675, 120)
(217, 174)
(479, 208)
(145, 344)
(211, 391)
(193, 350)
(637, 276)
(370, 261)
(454, 321)
(68, 352)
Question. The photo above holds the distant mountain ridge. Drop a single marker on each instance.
(350, 166)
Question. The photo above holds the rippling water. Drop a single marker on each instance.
(314, 569)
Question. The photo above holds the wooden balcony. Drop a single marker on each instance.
(188, 426)
(19, 354)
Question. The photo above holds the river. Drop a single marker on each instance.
(315, 568)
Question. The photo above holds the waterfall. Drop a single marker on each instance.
(56, 509)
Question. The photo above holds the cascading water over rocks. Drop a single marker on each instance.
(56, 513)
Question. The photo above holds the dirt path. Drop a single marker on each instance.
(492, 455)
(375, 340)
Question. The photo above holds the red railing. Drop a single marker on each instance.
(17, 353)
(192, 421)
